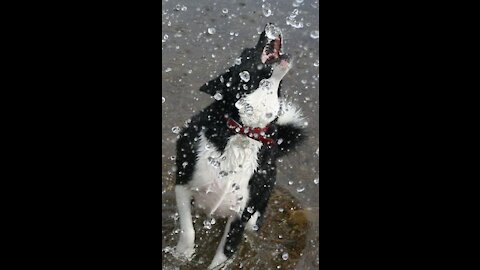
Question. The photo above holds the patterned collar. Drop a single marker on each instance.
(258, 134)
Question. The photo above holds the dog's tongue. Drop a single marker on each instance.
(274, 43)
(272, 50)
(277, 44)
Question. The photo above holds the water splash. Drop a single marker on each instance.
(245, 76)
(267, 10)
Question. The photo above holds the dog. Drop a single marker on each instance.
(226, 155)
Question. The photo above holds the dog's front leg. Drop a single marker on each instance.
(185, 246)
(220, 256)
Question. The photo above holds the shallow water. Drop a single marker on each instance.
(192, 56)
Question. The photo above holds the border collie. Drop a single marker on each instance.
(226, 156)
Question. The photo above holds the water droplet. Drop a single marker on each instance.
(255, 227)
(207, 225)
(314, 34)
(279, 141)
(175, 130)
(295, 24)
(223, 173)
(184, 8)
(316, 181)
(265, 84)
(163, 100)
(272, 31)
(218, 96)
(229, 84)
(250, 210)
(172, 158)
(300, 189)
(281, 210)
(178, 7)
(211, 30)
(290, 183)
(284, 255)
(225, 10)
(215, 163)
(292, 21)
(316, 63)
(297, 3)
(168, 69)
(266, 9)
(245, 76)
(165, 37)
(238, 61)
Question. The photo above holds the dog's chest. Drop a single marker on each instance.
(220, 180)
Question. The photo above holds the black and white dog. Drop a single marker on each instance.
(226, 156)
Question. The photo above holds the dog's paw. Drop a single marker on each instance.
(186, 245)
(218, 260)
(182, 252)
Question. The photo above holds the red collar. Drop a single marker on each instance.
(258, 134)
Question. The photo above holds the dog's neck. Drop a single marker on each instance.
(261, 107)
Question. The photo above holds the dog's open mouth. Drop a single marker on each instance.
(272, 50)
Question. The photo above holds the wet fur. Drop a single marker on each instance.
(207, 135)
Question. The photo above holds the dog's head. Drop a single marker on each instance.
(264, 61)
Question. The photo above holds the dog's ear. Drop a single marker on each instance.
(218, 85)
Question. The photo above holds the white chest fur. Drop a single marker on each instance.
(260, 107)
(220, 181)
